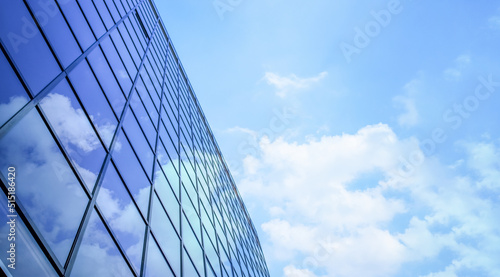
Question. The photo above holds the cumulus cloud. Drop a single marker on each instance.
(327, 223)
(286, 85)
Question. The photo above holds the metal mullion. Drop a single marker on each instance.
(152, 192)
(52, 84)
(34, 232)
(88, 211)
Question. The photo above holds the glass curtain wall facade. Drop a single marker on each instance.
(106, 153)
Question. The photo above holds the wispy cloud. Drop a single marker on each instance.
(407, 103)
(454, 73)
(286, 85)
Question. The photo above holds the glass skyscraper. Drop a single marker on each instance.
(108, 165)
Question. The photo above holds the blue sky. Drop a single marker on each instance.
(382, 161)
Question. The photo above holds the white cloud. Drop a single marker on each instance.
(406, 102)
(320, 220)
(286, 85)
(455, 72)
(291, 271)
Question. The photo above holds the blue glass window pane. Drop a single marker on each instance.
(156, 264)
(123, 216)
(92, 17)
(55, 28)
(104, 13)
(146, 99)
(48, 189)
(93, 99)
(170, 168)
(112, 8)
(107, 80)
(98, 255)
(123, 50)
(75, 132)
(139, 142)
(168, 198)
(117, 65)
(13, 96)
(29, 259)
(192, 244)
(166, 236)
(26, 45)
(132, 173)
(78, 24)
(144, 120)
(187, 266)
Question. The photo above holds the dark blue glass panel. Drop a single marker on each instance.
(166, 236)
(112, 8)
(92, 17)
(26, 45)
(55, 28)
(78, 24)
(156, 265)
(122, 215)
(107, 80)
(13, 96)
(48, 189)
(93, 99)
(104, 13)
(117, 65)
(132, 173)
(98, 255)
(75, 132)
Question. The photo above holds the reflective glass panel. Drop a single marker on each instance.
(139, 142)
(29, 259)
(117, 65)
(132, 173)
(93, 99)
(107, 80)
(78, 24)
(48, 189)
(75, 131)
(55, 28)
(13, 96)
(166, 236)
(98, 255)
(122, 214)
(156, 265)
(26, 45)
